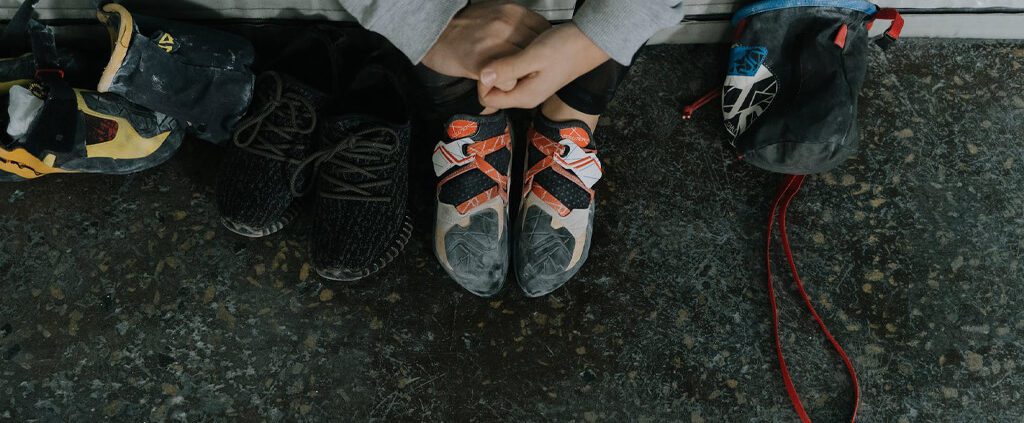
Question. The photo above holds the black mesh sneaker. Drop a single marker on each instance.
(362, 181)
(471, 224)
(556, 217)
(254, 187)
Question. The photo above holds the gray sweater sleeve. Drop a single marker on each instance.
(411, 25)
(621, 27)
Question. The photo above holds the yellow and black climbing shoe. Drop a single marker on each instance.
(50, 127)
(99, 133)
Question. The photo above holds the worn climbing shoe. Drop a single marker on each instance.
(197, 75)
(90, 132)
(556, 217)
(471, 239)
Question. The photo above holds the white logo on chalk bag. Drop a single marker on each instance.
(750, 87)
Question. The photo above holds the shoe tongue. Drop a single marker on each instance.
(339, 129)
(290, 88)
(317, 98)
(573, 130)
(354, 123)
(22, 110)
(476, 127)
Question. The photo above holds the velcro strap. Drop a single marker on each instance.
(54, 129)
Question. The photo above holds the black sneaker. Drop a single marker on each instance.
(254, 188)
(362, 182)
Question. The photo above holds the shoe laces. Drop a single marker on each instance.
(336, 164)
(271, 130)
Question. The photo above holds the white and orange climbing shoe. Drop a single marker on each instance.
(471, 238)
(556, 217)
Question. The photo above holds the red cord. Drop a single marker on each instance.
(785, 195)
(689, 110)
(794, 397)
(711, 95)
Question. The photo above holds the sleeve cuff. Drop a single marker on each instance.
(620, 28)
(414, 28)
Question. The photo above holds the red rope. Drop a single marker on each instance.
(711, 95)
(690, 109)
(780, 205)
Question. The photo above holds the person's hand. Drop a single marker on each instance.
(481, 33)
(531, 76)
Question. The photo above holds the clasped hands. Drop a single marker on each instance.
(517, 58)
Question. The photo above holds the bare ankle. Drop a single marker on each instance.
(555, 109)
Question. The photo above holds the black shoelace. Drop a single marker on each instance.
(270, 130)
(371, 145)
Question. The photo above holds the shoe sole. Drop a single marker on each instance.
(254, 232)
(548, 242)
(397, 246)
(464, 245)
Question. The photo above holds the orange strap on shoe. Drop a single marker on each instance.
(477, 152)
(553, 151)
(790, 186)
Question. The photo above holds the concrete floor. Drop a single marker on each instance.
(123, 298)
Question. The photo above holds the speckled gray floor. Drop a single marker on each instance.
(123, 298)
